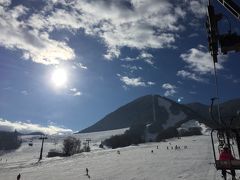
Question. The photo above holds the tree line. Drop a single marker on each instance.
(9, 140)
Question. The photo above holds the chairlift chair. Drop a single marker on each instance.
(30, 143)
(226, 135)
(229, 134)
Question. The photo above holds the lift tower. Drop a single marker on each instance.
(41, 151)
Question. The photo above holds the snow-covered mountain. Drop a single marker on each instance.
(229, 109)
(153, 110)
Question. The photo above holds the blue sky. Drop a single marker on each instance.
(111, 52)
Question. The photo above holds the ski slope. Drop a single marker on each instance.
(133, 163)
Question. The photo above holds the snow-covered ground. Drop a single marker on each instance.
(194, 123)
(133, 163)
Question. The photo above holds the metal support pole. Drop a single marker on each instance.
(214, 153)
(42, 138)
(221, 122)
(238, 141)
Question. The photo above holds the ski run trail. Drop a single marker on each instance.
(133, 162)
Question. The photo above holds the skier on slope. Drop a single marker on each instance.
(225, 155)
(18, 176)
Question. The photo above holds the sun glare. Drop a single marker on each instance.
(59, 77)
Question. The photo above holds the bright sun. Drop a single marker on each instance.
(59, 77)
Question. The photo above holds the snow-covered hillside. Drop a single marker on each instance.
(194, 123)
(173, 118)
(149, 109)
(133, 163)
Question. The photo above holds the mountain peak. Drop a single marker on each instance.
(148, 109)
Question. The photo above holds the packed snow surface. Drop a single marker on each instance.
(133, 162)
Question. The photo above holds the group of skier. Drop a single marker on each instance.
(176, 147)
(87, 174)
(3, 160)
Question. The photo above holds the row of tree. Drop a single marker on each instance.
(9, 140)
(136, 135)
(71, 146)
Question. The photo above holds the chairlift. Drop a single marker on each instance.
(225, 135)
(226, 132)
(30, 143)
(229, 136)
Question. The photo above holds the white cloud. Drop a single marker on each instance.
(28, 127)
(5, 2)
(143, 55)
(168, 86)
(129, 59)
(135, 82)
(36, 45)
(199, 64)
(73, 89)
(189, 75)
(193, 35)
(80, 65)
(24, 92)
(200, 61)
(198, 7)
(131, 68)
(75, 92)
(170, 92)
(135, 24)
(147, 57)
(170, 89)
(179, 82)
(78, 93)
(150, 83)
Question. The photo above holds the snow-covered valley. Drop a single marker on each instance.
(133, 163)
